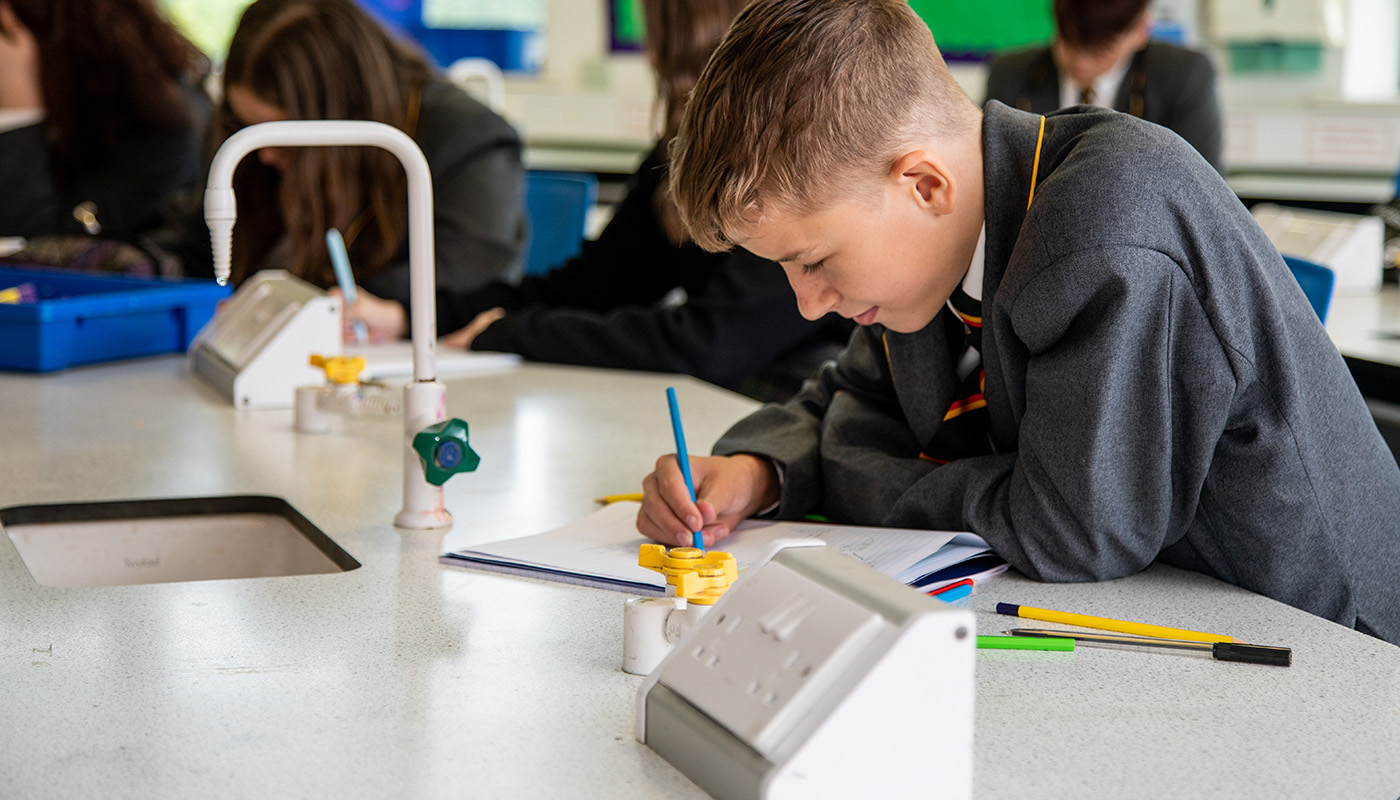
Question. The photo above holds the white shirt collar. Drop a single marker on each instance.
(972, 282)
(16, 118)
(1105, 86)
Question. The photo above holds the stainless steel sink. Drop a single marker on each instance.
(122, 543)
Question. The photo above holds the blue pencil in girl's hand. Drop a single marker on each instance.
(697, 539)
(340, 260)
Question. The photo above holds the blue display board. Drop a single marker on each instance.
(508, 32)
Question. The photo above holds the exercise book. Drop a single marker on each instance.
(601, 550)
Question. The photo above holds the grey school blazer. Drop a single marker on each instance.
(1158, 388)
(1169, 85)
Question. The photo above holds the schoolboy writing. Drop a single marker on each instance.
(1074, 340)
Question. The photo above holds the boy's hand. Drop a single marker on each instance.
(729, 489)
(385, 319)
(464, 337)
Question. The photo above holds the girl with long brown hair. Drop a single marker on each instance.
(328, 59)
(101, 114)
(738, 325)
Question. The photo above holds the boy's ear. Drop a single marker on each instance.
(927, 178)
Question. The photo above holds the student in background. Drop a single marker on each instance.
(737, 325)
(101, 118)
(1074, 339)
(1102, 55)
(328, 59)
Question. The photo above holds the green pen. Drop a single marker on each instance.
(1023, 643)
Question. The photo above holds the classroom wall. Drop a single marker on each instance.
(584, 94)
(588, 96)
(1337, 123)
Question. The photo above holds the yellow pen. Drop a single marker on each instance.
(1106, 624)
(618, 498)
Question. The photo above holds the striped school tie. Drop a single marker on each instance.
(965, 431)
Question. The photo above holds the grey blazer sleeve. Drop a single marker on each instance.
(480, 222)
(842, 441)
(478, 197)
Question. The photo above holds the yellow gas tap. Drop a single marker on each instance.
(698, 577)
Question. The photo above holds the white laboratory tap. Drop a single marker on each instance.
(425, 399)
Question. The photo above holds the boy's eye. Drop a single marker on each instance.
(808, 269)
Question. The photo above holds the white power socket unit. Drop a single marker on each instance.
(817, 676)
(255, 351)
(1350, 245)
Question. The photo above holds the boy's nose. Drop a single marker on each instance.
(814, 296)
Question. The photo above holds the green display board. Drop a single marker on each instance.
(986, 26)
(960, 28)
(628, 28)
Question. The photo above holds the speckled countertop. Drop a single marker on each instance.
(404, 678)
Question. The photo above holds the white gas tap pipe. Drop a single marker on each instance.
(423, 505)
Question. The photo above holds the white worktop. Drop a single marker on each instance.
(404, 678)
(1367, 326)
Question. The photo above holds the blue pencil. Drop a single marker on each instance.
(954, 594)
(697, 539)
(340, 260)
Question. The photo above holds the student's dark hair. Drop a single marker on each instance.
(1095, 24)
(680, 36)
(107, 69)
(323, 59)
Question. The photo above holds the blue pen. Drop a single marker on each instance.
(698, 541)
(340, 260)
(954, 594)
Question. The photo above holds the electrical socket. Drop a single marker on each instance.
(764, 657)
(816, 676)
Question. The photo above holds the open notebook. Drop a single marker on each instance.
(601, 550)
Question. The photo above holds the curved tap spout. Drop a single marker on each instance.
(220, 211)
(423, 507)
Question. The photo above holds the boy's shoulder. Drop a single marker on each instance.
(1104, 180)
(1090, 161)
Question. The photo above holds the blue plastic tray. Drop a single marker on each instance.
(84, 318)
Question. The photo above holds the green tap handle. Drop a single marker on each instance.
(444, 451)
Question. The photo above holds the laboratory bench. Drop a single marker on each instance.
(1366, 330)
(403, 678)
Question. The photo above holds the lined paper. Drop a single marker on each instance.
(601, 550)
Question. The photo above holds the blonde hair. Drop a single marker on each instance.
(804, 99)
